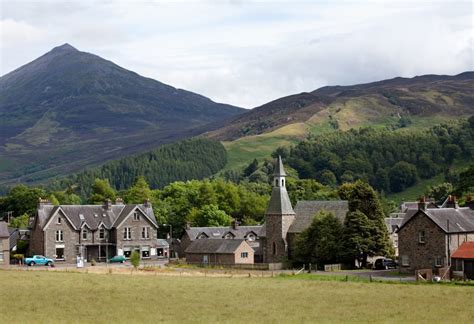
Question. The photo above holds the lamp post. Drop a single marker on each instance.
(171, 240)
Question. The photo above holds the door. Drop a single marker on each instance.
(469, 269)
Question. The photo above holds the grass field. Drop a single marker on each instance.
(42, 296)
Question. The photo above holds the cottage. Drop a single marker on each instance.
(251, 234)
(428, 237)
(462, 261)
(94, 232)
(4, 244)
(220, 252)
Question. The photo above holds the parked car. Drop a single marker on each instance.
(117, 259)
(40, 260)
(385, 263)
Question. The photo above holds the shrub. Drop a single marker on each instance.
(135, 259)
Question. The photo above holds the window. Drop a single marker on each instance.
(276, 182)
(282, 182)
(59, 236)
(202, 236)
(102, 234)
(59, 253)
(395, 242)
(405, 260)
(1, 255)
(250, 237)
(439, 261)
(127, 252)
(229, 236)
(136, 216)
(58, 220)
(421, 237)
(145, 252)
(127, 233)
(244, 255)
(145, 233)
(274, 248)
(84, 234)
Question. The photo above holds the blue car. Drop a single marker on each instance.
(40, 260)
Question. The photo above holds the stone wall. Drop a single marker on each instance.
(69, 242)
(275, 241)
(421, 255)
(5, 249)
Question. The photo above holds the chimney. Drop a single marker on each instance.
(422, 204)
(108, 204)
(235, 224)
(119, 201)
(43, 202)
(452, 202)
(147, 203)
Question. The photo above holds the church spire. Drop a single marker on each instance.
(280, 203)
(279, 169)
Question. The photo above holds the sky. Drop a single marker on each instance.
(245, 52)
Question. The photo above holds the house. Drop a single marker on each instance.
(428, 237)
(251, 234)
(93, 232)
(462, 261)
(392, 223)
(4, 244)
(220, 252)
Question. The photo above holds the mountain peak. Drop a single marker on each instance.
(65, 47)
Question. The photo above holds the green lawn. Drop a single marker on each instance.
(42, 296)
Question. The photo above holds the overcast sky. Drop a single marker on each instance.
(246, 52)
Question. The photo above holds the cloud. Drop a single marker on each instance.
(249, 52)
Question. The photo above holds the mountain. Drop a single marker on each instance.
(346, 107)
(70, 109)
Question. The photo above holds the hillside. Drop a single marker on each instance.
(69, 109)
(417, 102)
(345, 107)
(180, 161)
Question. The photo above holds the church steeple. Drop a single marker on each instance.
(278, 217)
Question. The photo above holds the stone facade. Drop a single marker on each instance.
(93, 232)
(276, 244)
(4, 251)
(220, 252)
(421, 254)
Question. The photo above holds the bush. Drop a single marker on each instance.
(135, 259)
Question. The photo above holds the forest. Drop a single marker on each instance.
(196, 158)
(388, 160)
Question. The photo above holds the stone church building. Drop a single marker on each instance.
(274, 241)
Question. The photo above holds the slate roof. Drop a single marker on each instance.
(279, 169)
(465, 251)
(14, 236)
(218, 232)
(4, 233)
(279, 203)
(92, 215)
(410, 205)
(392, 223)
(214, 246)
(306, 210)
(450, 220)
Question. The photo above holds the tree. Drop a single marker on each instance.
(209, 215)
(101, 191)
(364, 200)
(320, 243)
(402, 175)
(139, 192)
(251, 168)
(451, 152)
(20, 221)
(440, 192)
(22, 200)
(358, 237)
(135, 259)
(327, 177)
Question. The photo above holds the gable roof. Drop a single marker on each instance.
(239, 232)
(450, 220)
(392, 223)
(307, 209)
(92, 215)
(4, 233)
(465, 251)
(215, 246)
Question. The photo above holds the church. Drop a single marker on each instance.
(274, 241)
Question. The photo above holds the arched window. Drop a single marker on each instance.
(282, 182)
(276, 182)
(274, 248)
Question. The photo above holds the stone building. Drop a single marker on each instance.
(95, 232)
(220, 252)
(462, 261)
(427, 237)
(4, 244)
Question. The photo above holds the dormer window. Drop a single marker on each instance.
(229, 236)
(201, 236)
(136, 216)
(251, 237)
